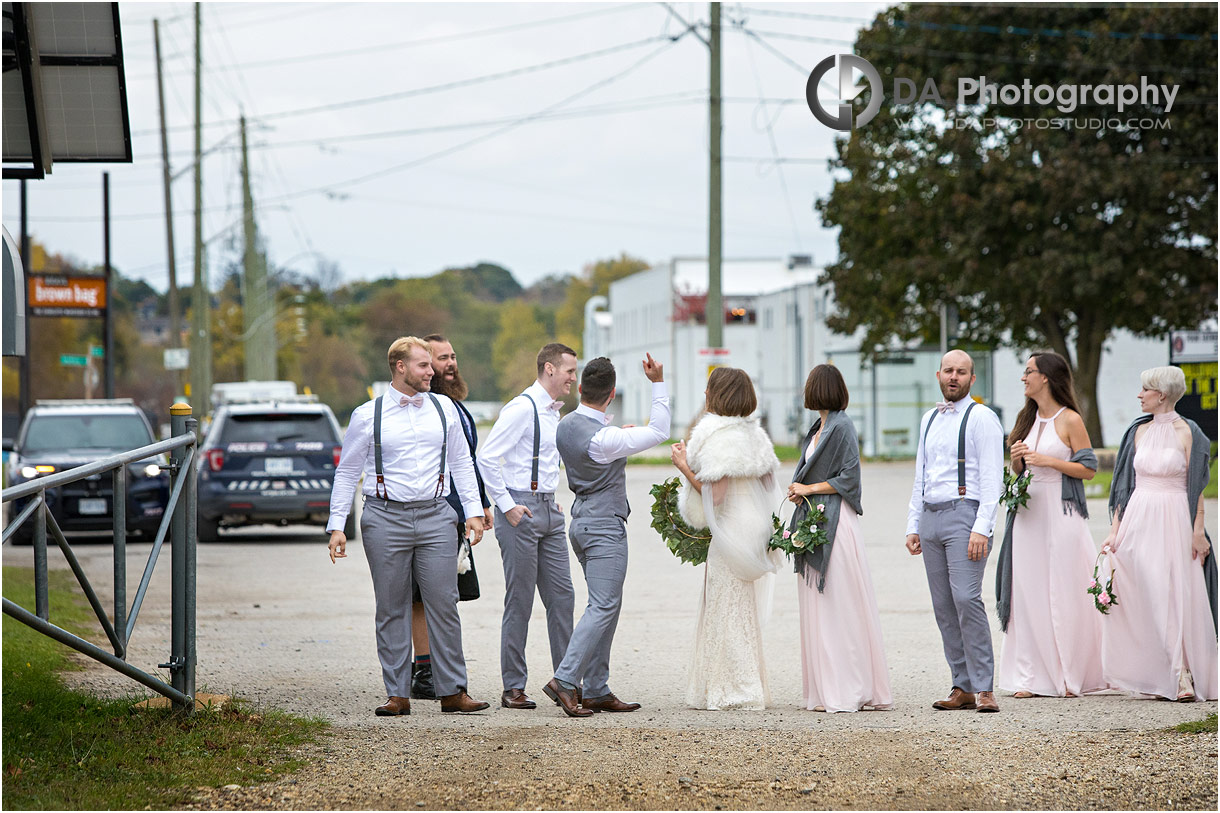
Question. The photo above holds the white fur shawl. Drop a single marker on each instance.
(722, 447)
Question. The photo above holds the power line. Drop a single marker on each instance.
(783, 183)
(395, 46)
(381, 173)
(475, 80)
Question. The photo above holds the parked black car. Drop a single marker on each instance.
(268, 463)
(60, 435)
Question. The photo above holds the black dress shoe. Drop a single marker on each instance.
(516, 699)
(421, 682)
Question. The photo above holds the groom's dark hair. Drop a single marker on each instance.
(597, 381)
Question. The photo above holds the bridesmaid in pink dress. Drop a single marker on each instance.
(843, 664)
(1159, 639)
(1052, 645)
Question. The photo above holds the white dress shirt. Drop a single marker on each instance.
(410, 456)
(614, 442)
(936, 466)
(506, 456)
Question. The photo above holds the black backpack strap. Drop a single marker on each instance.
(440, 478)
(379, 488)
(961, 452)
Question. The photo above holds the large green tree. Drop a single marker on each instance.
(1041, 235)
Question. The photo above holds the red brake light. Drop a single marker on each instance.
(216, 459)
(335, 452)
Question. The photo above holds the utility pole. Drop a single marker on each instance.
(257, 308)
(175, 324)
(108, 313)
(201, 306)
(715, 242)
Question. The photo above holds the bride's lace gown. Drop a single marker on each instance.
(727, 669)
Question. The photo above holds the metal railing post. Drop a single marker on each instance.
(178, 416)
(42, 605)
(192, 538)
(119, 509)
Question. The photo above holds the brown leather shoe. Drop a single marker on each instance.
(394, 707)
(461, 702)
(516, 699)
(566, 699)
(608, 702)
(986, 702)
(957, 699)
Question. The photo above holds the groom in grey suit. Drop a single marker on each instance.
(958, 479)
(595, 456)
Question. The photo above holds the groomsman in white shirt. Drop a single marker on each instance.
(520, 468)
(950, 520)
(407, 524)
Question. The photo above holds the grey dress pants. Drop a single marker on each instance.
(601, 547)
(535, 556)
(401, 539)
(956, 584)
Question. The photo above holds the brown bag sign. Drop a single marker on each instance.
(52, 295)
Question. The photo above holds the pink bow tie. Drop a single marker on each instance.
(555, 405)
(945, 406)
(417, 401)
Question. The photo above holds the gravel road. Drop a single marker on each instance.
(282, 626)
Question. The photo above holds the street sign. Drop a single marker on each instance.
(97, 352)
(73, 361)
(714, 357)
(177, 358)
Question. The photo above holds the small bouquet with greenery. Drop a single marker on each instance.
(1103, 597)
(687, 543)
(1016, 489)
(808, 533)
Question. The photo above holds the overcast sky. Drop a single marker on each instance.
(377, 142)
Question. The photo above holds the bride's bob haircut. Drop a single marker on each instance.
(825, 389)
(730, 393)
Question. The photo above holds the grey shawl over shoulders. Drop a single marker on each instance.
(1197, 474)
(835, 460)
(1072, 493)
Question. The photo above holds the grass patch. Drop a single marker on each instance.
(65, 749)
(1205, 726)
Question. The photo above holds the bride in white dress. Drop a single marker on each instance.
(729, 464)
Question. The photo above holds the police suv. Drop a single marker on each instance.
(267, 462)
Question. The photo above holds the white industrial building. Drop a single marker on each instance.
(776, 331)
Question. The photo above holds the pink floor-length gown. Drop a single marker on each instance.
(1053, 643)
(1162, 623)
(843, 664)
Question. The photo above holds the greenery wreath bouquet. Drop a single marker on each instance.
(1016, 489)
(808, 533)
(687, 543)
(1103, 597)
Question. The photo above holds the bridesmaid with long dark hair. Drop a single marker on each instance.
(1052, 645)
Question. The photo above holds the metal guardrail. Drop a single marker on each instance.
(178, 523)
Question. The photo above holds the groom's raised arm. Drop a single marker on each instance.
(615, 442)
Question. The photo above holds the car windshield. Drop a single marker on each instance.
(50, 433)
(277, 428)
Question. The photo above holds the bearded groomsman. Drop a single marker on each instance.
(520, 467)
(408, 442)
(446, 380)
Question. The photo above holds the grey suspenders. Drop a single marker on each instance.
(537, 441)
(380, 489)
(961, 448)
